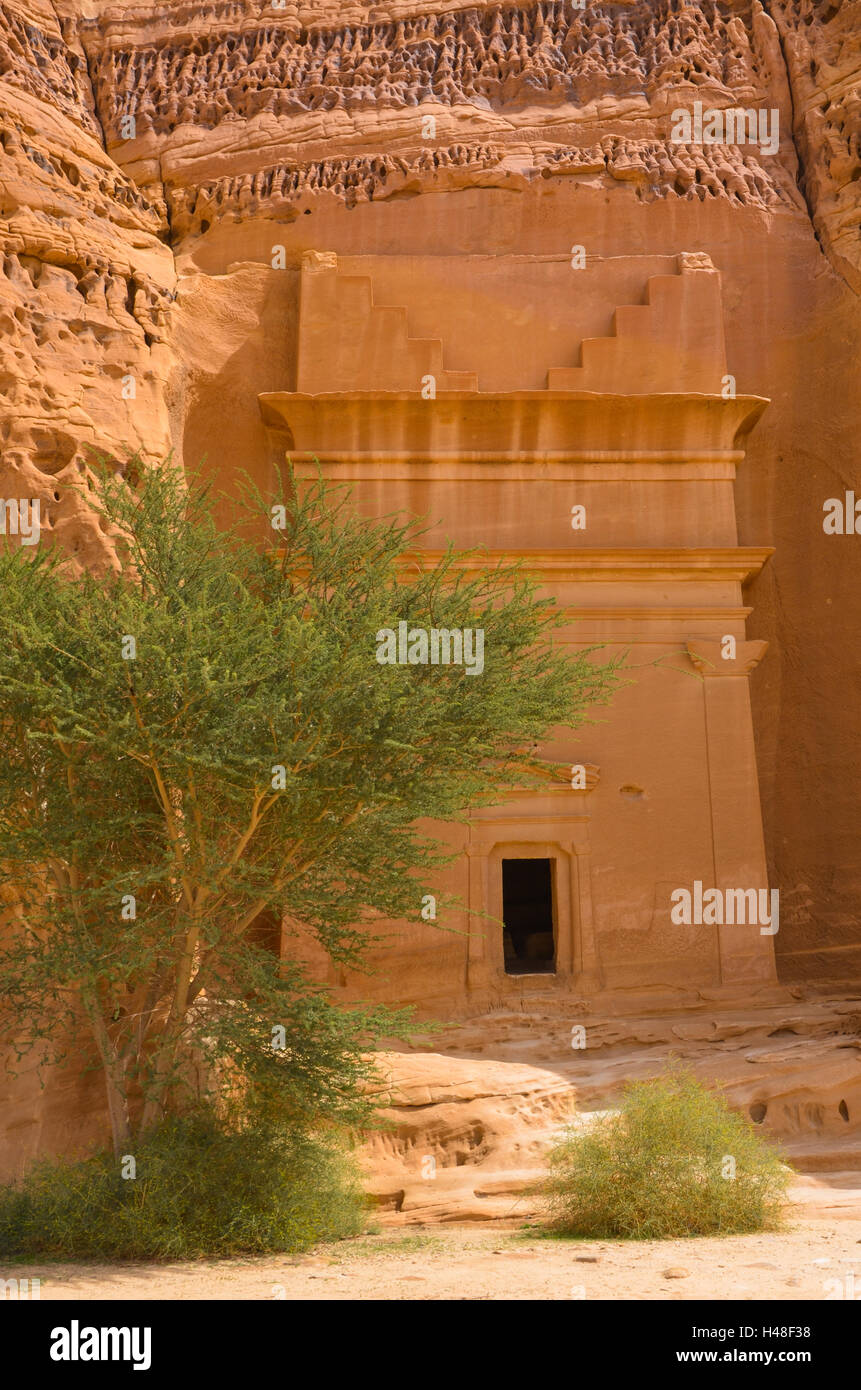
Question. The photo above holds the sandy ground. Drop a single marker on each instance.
(812, 1259)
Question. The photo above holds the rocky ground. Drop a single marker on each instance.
(469, 1123)
(453, 1174)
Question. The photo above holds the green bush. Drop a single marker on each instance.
(202, 1188)
(661, 1167)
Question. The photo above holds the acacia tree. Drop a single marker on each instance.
(205, 735)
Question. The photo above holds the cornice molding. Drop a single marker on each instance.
(603, 563)
(339, 425)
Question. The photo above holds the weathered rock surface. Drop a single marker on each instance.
(85, 287)
(463, 1138)
(161, 164)
(155, 159)
(469, 1131)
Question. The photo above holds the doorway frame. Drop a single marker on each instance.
(553, 862)
(564, 918)
(541, 824)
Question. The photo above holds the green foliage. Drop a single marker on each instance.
(202, 1189)
(658, 1168)
(153, 778)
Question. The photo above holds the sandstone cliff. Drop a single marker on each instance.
(165, 167)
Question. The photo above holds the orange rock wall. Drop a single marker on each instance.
(261, 133)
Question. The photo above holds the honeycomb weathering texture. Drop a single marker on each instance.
(655, 169)
(145, 253)
(522, 71)
(496, 57)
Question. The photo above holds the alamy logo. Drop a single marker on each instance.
(20, 518)
(76, 1343)
(20, 1288)
(842, 515)
(420, 646)
(726, 907)
(733, 125)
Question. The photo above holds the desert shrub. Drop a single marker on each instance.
(673, 1161)
(202, 1188)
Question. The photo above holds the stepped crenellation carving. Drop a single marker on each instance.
(453, 355)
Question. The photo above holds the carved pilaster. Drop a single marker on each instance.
(737, 838)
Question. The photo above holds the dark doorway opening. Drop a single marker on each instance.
(265, 931)
(527, 912)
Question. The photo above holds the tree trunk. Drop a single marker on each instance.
(115, 1074)
(156, 1090)
(118, 1109)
